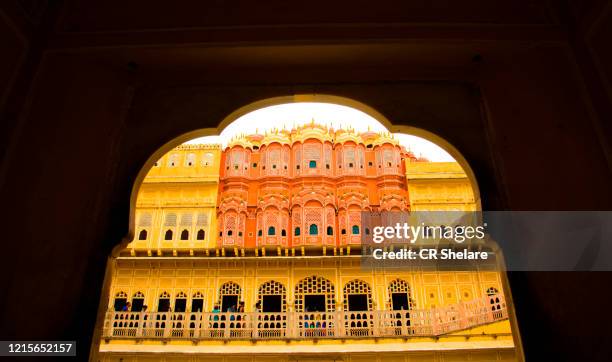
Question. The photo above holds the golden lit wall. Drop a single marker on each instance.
(438, 186)
(428, 288)
(179, 194)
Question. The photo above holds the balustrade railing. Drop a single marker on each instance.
(305, 325)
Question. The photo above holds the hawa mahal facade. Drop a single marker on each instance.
(307, 187)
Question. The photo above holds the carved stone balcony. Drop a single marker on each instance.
(304, 325)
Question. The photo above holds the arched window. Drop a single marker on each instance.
(272, 297)
(330, 230)
(314, 294)
(120, 301)
(168, 235)
(163, 304)
(399, 295)
(259, 232)
(312, 164)
(355, 229)
(197, 302)
(297, 231)
(283, 232)
(229, 295)
(137, 302)
(343, 232)
(180, 302)
(313, 229)
(184, 235)
(200, 235)
(142, 235)
(357, 296)
(367, 231)
(271, 231)
(229, 233)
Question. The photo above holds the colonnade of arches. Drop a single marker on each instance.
(311, 294)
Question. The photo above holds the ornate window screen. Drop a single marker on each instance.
(315, 285)
(273, 288)
(229, 288)
(357, 286)
(170, 219)
(202, 219)
(186, 219)
(399, 286)
(145, 219)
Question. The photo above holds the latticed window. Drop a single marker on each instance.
(492, 291)
(272, 297)
(229, 293)
(399, 295)
(186, 219)
(120, 301)
(230, 288)
(399, 286)
(180, 302)
(197, 303)
(202, 219)
(314, 286)
(145, 219)
(163, 304)
(170, 219)
(357, 295)
(137, 301)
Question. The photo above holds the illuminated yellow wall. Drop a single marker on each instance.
(179, 194)
(429, 289)
(438, 186)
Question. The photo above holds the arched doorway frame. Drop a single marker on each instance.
(272, 101)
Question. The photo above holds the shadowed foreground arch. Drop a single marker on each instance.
(284, 100)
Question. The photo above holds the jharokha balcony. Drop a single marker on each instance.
(304, 325)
